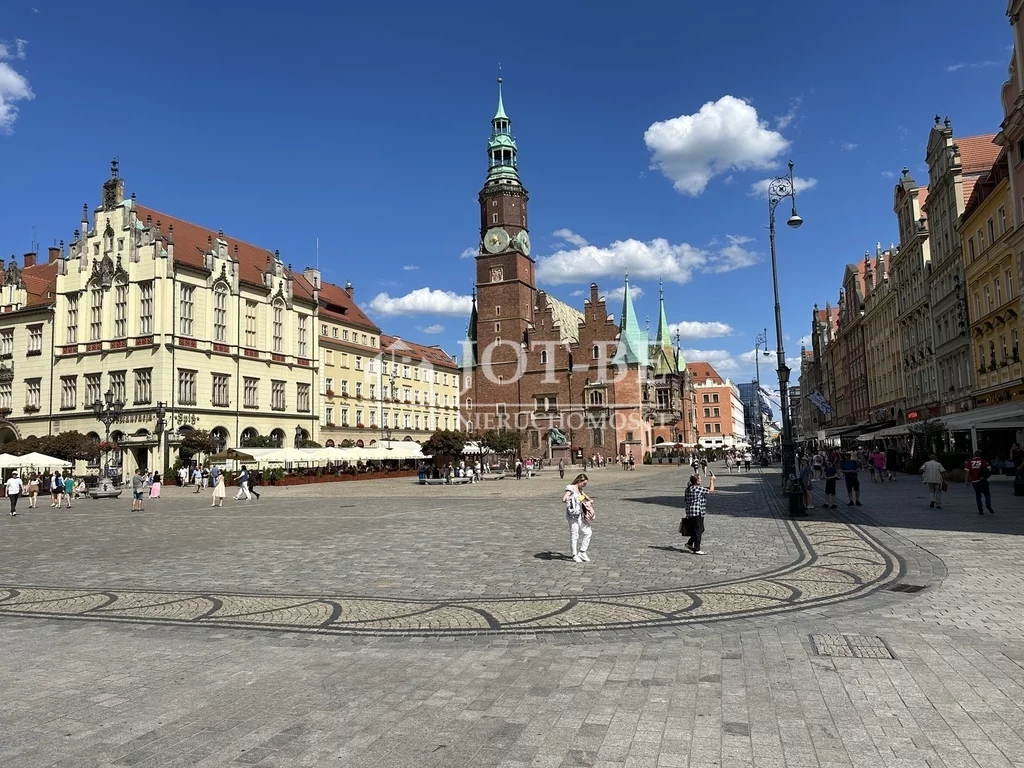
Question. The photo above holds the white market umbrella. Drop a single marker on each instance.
(34, 459)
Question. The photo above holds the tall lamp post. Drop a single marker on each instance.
(779, 189)
(107, 411)
(760, 340)
(161, 412)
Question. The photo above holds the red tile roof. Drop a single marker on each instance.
(436, 356)
(977, 153)
(702, 371)
(40, 283)
(337, 305)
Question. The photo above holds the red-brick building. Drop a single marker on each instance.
(564, 378)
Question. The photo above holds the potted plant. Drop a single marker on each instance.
(329, 393)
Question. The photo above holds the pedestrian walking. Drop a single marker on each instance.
(243, 486)
(56, 489)
(632, 462)
(255, 481)
(218, 487)
(729, 462)
(704, 465)
(978, 472)
(580, 529)
(183, 476)
(197, 479)
(933, 474)
(695, 507)
(519, 470)
(138, 486)
(155, 486)
(69, 488)
(849, 467)
(831, 473)
(561, 468)
(807, 484)
(747, 458)
(818, 465)
(14, 489)
(33, 491)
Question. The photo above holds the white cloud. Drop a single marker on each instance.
(468, 253)
(723, 135)
(694, 329)
(570, 237)
(785, 120)
(847, 146)
(805, 341)
(888, 174)
(721, 360)
(972, 65)
(615, 295)
(657, 258)
(435, 328)
(410, 267)
(760, 188)
(13, 86)
(422, 301)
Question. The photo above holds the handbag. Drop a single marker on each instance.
(944, 487)
(588, 513)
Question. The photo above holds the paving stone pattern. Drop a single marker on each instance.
(744, 691)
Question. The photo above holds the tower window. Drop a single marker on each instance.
(543, 357)
(597, 352)
(497, 310)
(497, 327)
(494, 218)
(494, 203)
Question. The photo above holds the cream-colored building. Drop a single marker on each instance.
(419, 387)
(882, 342)
(174, 319)
(993, 287)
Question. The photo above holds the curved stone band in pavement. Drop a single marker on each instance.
(837, 562)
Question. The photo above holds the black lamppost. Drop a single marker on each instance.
(385, 435)
(107, 411)
(779, 189)
(298, 436)
(161, 412)
(759, 340)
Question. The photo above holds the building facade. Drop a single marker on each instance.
(419, 388)
(911, 264)
(992, 276)
(951, 164)
(882, 341)
(720, 412)
(757, 413)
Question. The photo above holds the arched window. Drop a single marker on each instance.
(248, 435)
(277, 438)
(219, 436)
(597, 352)
(220, 312)
(359, 443)
(543, 357)
(329, 444)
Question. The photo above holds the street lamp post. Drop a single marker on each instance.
(779, 189)
(759, 340)
(107, 411)
(161, 412)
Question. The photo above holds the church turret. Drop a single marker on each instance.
(633, 346)
(664, 339)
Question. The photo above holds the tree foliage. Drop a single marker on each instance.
(501, 441)
(257, 441)
(445, 442)
(68, 446)
(196, 441)
(928, 437)
(311, 444)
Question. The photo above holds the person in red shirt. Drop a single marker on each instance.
(977, 472)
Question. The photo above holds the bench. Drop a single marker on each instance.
(441, 481)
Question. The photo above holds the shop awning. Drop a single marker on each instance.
(897, 431)
(837, 431)
(1007, 416)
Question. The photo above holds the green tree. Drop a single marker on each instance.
(311, 444)
(257, 441)
(928, 437)
(445, 442)
(196, 441)
(346, 443)
(70, 446)
(501, 441)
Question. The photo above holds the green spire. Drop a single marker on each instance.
(664, 337)
(501, 147)
(633, 342)
(469, 343)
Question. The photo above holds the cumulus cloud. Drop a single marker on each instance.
(760, 188)
(14, 87)
(721, 360)
(694, 329)
(805, 341)
(422, 301)
(784, 120)
(570, 237)
(722, 136)
(656, 258)
(468, 253)
(410, 267)
(615, 294)
(435, 328)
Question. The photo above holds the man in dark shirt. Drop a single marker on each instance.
(977, 473)
(848, 466)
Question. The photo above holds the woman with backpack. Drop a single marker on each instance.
(579, 513)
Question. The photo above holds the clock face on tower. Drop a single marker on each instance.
(496, 240)
(523, 241)
(497, 275)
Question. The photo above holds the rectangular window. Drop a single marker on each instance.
(406, 421)
(329, 415)
(344, 359)
(278, 328)
(144, 385)
(187, 387)
(373, 390)
(359, 363)
(344, 417)
(991, 230)
(344, 387)
(121, 311)
(997, 283)
(302, 335)
(970, 248)
(6, 394)
(707, 412)
(33, 392)
(302, 398)
(359, 389)
(707, 429)
(716, 414)
(718, 428)
(220, 313)
(221, 388)
(146, 307)
(93, 389)
(364, 339)
(186, 309)
(1009, 284)
(118, 386)
(7, 343)
(68, 392)
(988, 299)
(1002, 219)
(277, 395)
(981, 241)
(250, 324)
(251, 392)
(72, 318)
(323, 329)
(96, 314)
(714, 397)
(707, 398)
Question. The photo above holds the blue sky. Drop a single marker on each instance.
(365, 125)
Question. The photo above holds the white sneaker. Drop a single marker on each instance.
(577, 559)
(583, 556)
(699, 552)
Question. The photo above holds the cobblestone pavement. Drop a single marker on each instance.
(904, 679)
